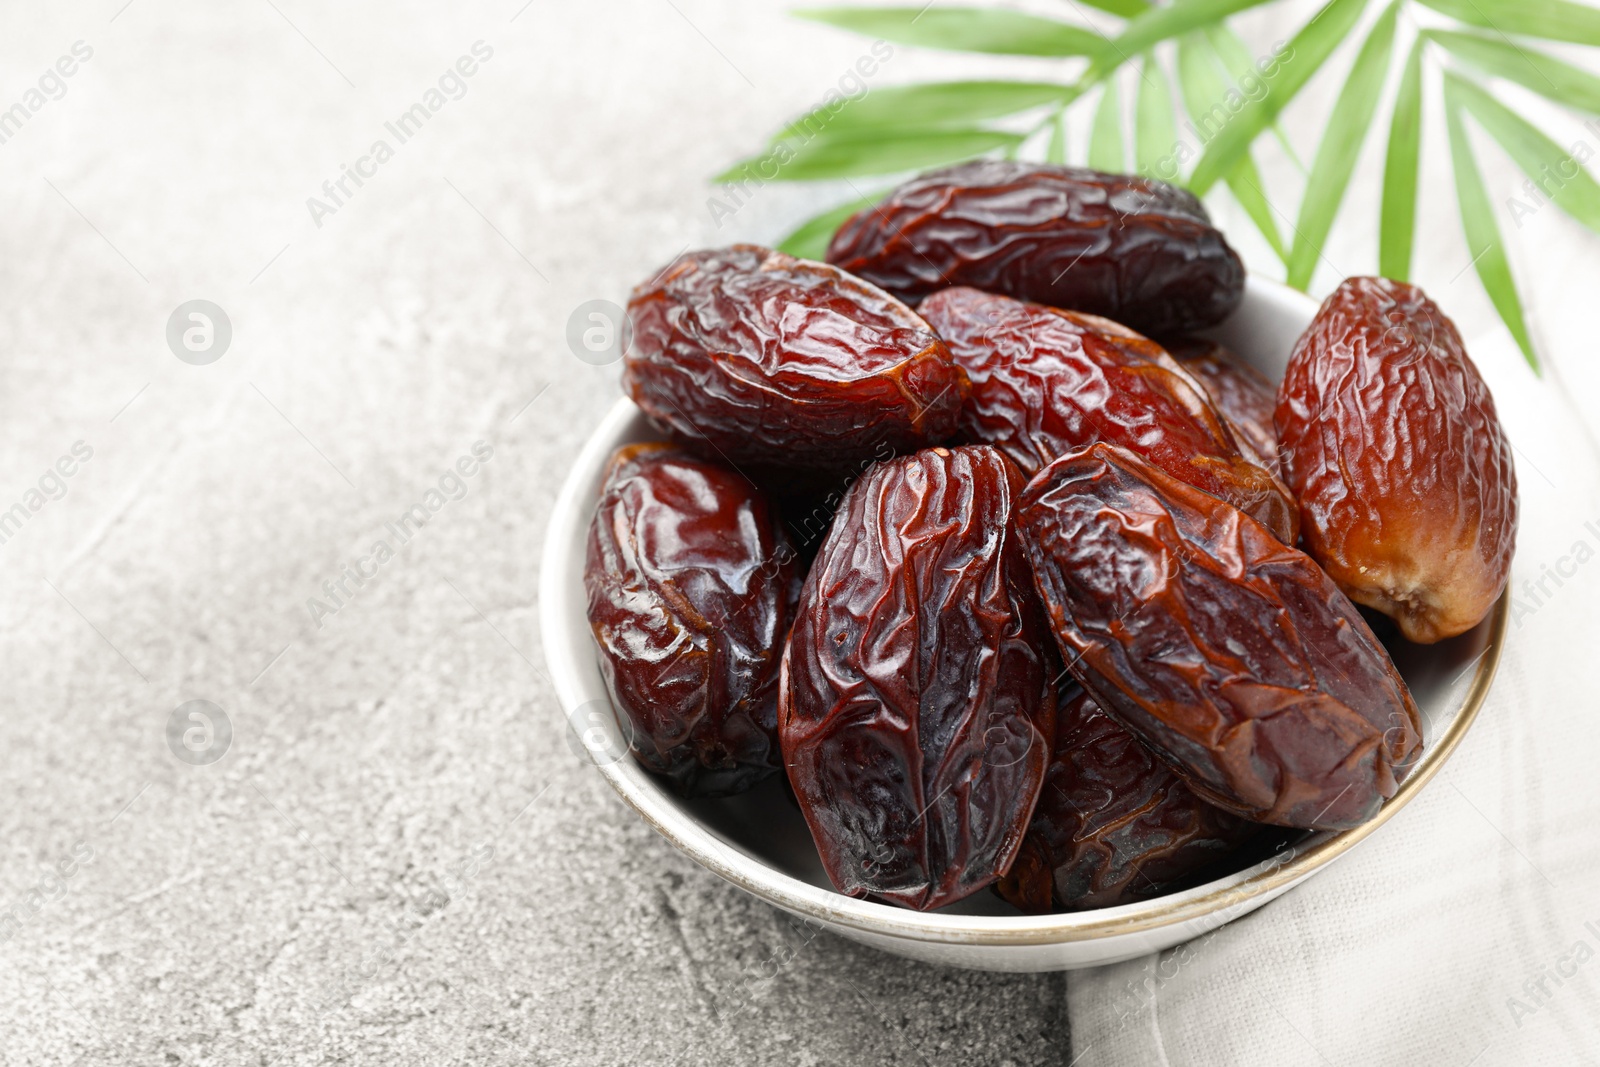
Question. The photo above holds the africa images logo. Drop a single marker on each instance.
(452, 86)
(452, 485)
(52, 85)
(52, 487)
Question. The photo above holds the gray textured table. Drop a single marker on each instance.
(397, 858)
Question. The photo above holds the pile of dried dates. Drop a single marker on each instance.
(1018, 580)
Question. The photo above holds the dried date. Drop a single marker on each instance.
(1114, 824)
(1132, 249)
(915, 703)
(757, 357)
(1239, 392)
(692, 587)
(1230, 654)
(1407, 489)
(1045, 382)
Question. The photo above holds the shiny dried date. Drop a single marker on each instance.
(916, 704)
(1114, 824)
(1230, 654)
(1407, 489)
(1046, 382)
(1132, 249)
(756, 357)
(1239, 392)
(692, 586)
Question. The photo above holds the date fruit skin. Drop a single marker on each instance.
(915, 704)
(692, 586)
(1228, 653)
(1407, 488)
(1045, 382)
(755, 357)
(1239, 392)
(1114, 824)
(1135, 250)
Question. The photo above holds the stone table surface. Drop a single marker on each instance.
(396, 859)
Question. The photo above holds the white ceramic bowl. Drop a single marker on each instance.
(760, 843)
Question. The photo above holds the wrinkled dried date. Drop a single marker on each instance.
(1135, 250)
(1227, 652)
(1407, 489)
(915, 701)
(1114, 824)
(1243, 396)
(692, 586)
(755, 356)
(1046, 382)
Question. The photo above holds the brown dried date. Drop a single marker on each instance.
(1114, 824)
(1132, 249)
(1046, 382)
(692, 586)
(1230, 654)
(915, 703)
(755, 356)
(1240, 393)
(1407, 489)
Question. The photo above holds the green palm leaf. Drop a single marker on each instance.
(1204, 88)
(1483, 237)
(1398, 215)
(1552, 169)
(1105, 136)
(963, 29)
(1340, 147)
(925, 106)
(1123, 8)
(1229, 99)
(1056, 151)
(1155, 128)
(881, 153)
(1157, 25)
(1311, 47)
(1554, 20)
(1528, 67)
(1237, 61)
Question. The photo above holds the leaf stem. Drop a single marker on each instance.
(1054, 115)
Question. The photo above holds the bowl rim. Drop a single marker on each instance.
(1221, 899)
